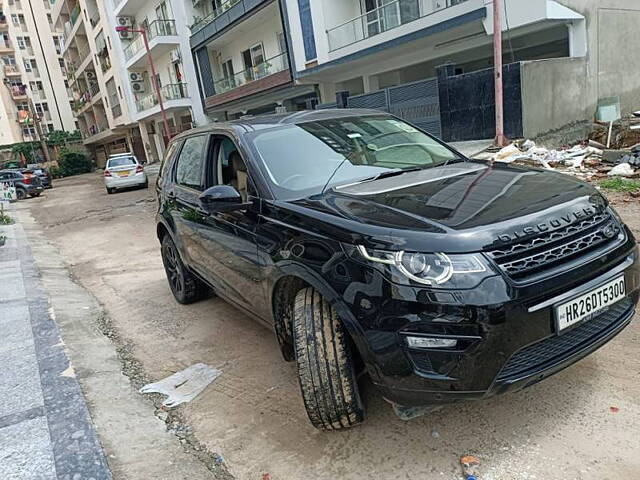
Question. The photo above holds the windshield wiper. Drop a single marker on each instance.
(387, 174)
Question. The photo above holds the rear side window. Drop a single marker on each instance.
(121, 162)
(190, 162)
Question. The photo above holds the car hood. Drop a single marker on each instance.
(463, 207)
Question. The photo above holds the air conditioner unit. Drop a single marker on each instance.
(125, 21)
(137, 87)
(176, 56)
(125, 35)
(91, 75)
(135, 77)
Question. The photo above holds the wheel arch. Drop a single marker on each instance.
(291, 279)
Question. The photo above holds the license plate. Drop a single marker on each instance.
(589, 304)
(124, 174)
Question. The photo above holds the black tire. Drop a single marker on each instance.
(325, 364)
(110, 190)
(36, 194)
(186, 288)
(21, 193)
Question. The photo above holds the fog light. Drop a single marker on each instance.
(427, 342)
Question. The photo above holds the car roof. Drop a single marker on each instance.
(250, 123)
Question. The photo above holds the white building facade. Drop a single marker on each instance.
(34, 76)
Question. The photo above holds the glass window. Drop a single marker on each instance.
(344, 150)
(189, 170)
(121, 162)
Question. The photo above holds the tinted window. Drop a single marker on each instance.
(189, 169)
(121, 162)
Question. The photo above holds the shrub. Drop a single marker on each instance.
(73, 163)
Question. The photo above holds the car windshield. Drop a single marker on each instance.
(305, 159)
(121, 162)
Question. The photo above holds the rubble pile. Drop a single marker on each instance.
(589, 160)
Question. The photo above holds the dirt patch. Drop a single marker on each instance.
(253, 414)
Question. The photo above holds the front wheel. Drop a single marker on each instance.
(110, 190)
(325, 364)
(186, 288)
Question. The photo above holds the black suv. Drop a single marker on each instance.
(27, 184)
(370, 246)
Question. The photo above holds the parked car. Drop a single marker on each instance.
(43, 174)
(123, 171)
(372, 247)
(27, 185)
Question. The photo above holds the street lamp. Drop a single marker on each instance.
(154, 80)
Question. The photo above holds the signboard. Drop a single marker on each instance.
(7, 192)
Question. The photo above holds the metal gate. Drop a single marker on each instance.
(417, 102)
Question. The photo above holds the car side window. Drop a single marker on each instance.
(191, 161)
(166, 162)
(230, 168)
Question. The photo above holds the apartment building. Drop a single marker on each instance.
(175, 90)
(430, 61)
(243, 58)
(96, 79)
(34, 76)
(115, 98)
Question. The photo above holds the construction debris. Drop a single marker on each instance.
(589, 160)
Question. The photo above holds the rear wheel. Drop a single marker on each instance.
(325, 364)
(21, 193)
(110, 190)
(186, 288)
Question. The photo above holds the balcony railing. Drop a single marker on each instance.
(4, 25)
(155, 29)
(173, 91)
(11, 70)
(6, 45)
(269, 67)
(383, 19)
(93, 130)
(200, 23)
(18, 91)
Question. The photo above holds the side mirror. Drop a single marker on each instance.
(221, 198)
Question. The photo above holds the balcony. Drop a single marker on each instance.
(162, 37)
(11, 71)
(91, 134)
(6, 46)
(383, 19)
(271, 73)
(18, 92)
(207, 28)
(200, 23)
(4, 25)
(171, 96)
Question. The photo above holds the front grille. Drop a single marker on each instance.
(551, 249)
(540, 356)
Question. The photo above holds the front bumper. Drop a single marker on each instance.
(507, 333)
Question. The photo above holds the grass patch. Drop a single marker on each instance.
(623, 185)
(5, 219)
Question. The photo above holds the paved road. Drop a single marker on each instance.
(253, 416)
(45, 428)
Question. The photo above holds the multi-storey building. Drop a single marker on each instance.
(174, 89)
(34, 79)
(243, 58)
(96, 78)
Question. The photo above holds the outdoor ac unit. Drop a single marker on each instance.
(137, 87)
(91, 75)
(125, 35)
(125, 21)
(135, 77)
(175, 56)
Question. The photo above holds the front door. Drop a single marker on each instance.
(230, 238)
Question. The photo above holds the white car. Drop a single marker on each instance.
(122, 171)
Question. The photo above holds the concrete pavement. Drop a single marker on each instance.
(45, 428)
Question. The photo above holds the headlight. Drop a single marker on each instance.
(430, 268)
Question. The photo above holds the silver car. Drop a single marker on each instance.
(123, 171)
